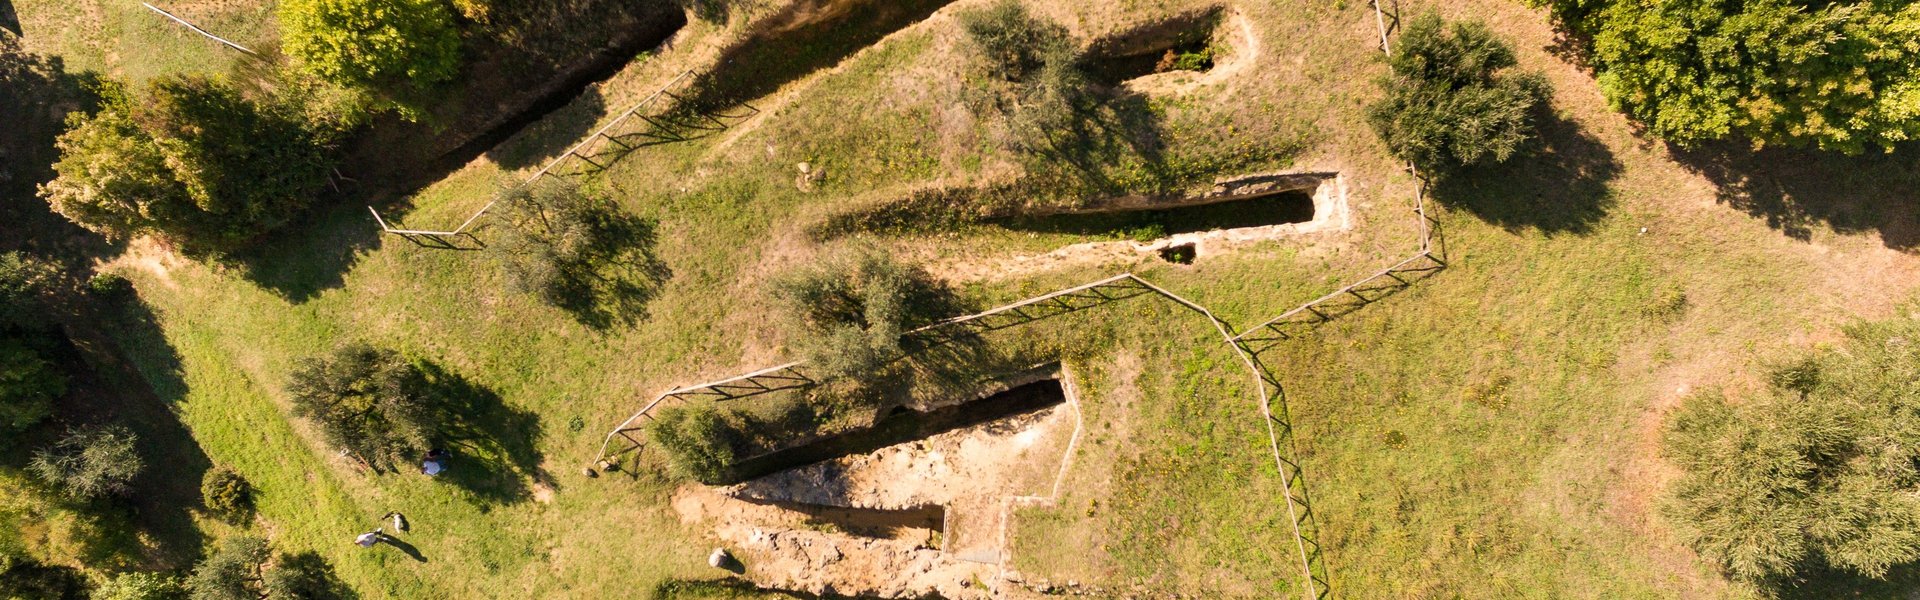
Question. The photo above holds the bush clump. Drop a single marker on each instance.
(1452, 100)
(1012, 43)
(110, 287)
(850, 310)
(398, 49)
(699, 442)
(579, 252)
(192, 161)
(28, 385)
(138, 585)
(1834, 75)
(368, 401)
(90, 463)
(1816, 473)
(225, 492)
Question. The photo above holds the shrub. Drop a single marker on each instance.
(1012, 43)
(1836, 75)
(225, 492)
(699, 443)
(193, 162)
(399, 48)
(110, 287)
(1448, 103)
(28, 386)
(23, 281)
(850, 310)
(579, 252)
(1816, 473)
(141, 586)
(367, 401)
(90, 463)
(232, 571)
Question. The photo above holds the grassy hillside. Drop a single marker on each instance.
(1488, 433)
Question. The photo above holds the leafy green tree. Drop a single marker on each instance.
(28, 385)
(1835, 75)
(23, 282)
(398, 47)
(193, 161)
(699, 442)
(90, 463)
(1012, 43)
(302, 576)
(1451, 102)
(225, 492)
(579, 252)
(138, 585)
(1820, 471)
(233, 571)
(368, 401)
(850, 310)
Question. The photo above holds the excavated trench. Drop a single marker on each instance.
(1200, 215)
(1181, 42)
(902, 425)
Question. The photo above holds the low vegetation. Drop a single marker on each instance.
(225, 492)
(1816, 472)
(137, 585)
(367, 401)
(850, 309)
(699, 443)
(1453, 100)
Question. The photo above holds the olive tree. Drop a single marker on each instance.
(370, 402)
(1819, 471)
(579, 252)
(1452, 100)
(850, 309)
(699, 442)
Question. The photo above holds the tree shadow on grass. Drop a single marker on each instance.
(1795, 191)
(494, 454)
(1559, 187)
(1822, 583)
(804, 37)
(134, 379)
(312, 254)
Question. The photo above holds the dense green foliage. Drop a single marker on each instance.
(302, 576)
(90, 463)
(1821, 470)
(141, 586)
(232, 571)
(396, 47)
(851, 308)
(225, 492)
(1837, 75)
(1450, 102)
(1012, 43)
(22, 578)
(579, 252)
(28, 385)
(698, 441)
(192, 161)
(368, 401)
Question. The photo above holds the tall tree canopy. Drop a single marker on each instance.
(1836, 75)
(1820, 470)
(397, 47)
(368, 401)
(1453, 100)
(192, 161)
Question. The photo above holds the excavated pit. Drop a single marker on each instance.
(1191, 216)
(1182, 42)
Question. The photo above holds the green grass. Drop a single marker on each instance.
(1482, 434)
(126, 40)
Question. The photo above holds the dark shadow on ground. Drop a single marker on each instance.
(411, 552)
(1795, 191)
(804, 37)
(10, 18)
(1277, 209)
(106, 387)
(544, 139)
(1561, 186)
(493, 445)
(312, 255)
(38, 92)
(1822, 583)
(717, 12)
(314, 575)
